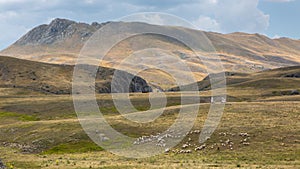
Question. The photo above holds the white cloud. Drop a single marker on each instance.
(211, 15)
(213, 1)
(10, 1)
(225, 16)
(276, 37)
(241, 15)
(151, 19)
(206, 23)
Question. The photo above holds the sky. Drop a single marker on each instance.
(273, 18)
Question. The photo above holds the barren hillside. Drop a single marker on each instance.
(61, 41)
(55, 79)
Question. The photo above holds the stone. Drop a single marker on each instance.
(295, 92)
(2, 166)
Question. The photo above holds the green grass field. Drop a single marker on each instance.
(43, 132)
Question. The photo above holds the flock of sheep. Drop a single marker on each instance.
(191, 145)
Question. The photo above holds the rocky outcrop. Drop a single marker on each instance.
(58, 30)
(124, 83)
(295, 75)
(2, 166)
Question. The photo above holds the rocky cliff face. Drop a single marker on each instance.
(57, 31)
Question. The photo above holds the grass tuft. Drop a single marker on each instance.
(22, 117)
(74, 147)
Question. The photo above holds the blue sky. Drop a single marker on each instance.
(284, 18)
(274, 18)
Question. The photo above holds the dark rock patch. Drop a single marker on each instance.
(2, 166)
(294, 75)
(295, 92)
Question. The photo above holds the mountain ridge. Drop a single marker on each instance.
(60, 42)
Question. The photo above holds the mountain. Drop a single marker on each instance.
(61, 41)
(58, 42)
(57, 79)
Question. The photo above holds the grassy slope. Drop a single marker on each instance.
(48, 78)
(56, 139)
(62, 142)
(46, 127)
(261, 85)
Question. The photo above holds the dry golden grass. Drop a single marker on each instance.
(239, 52)
(272, 126)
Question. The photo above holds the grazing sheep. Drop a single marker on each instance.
(185, 146)
(195, 131)
(103, 137)
(246, 143)
(175, 151)
(159, 139)
(228, 141)
(244, 134)
(222, 134)
(161, 145)
(245, 140)
(200, 147)
(185, 151)
(188, 151)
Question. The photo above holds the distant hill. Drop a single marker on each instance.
(277, 82)
(61, 41)
(56, 79)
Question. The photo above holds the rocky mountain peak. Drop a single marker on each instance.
(59, 21)
(59, 25)
(59, 30)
